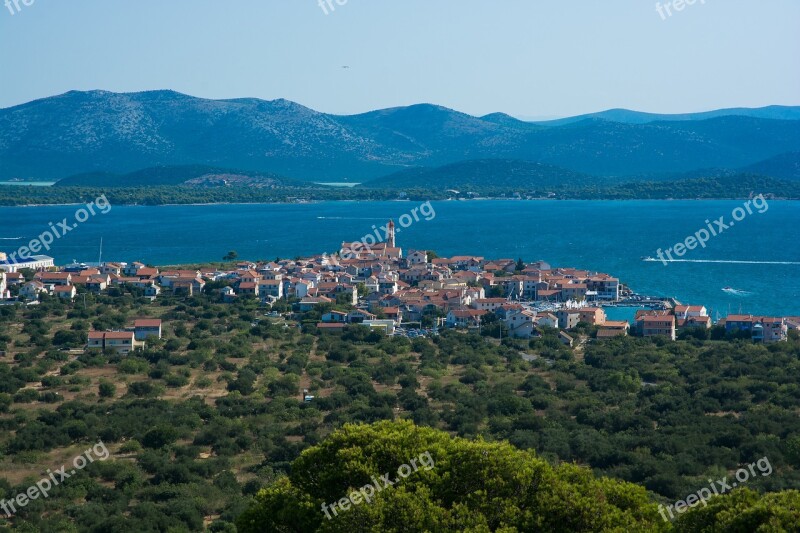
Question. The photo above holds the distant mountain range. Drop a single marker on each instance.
(107, 136)
(627, 116)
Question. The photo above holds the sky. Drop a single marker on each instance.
(532, 59)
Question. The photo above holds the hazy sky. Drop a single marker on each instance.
(529, 58)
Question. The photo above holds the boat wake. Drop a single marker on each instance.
(346, 218)
(732, 261)
(736, 292)
(11, 238)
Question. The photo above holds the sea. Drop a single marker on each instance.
(757, 257)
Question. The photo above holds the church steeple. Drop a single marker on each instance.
(390, 234)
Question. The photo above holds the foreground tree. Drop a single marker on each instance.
(747, 511)
(469, 486)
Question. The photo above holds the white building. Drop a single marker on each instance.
(32, 290)
(418, 257)
(34, 262)
(520, 323)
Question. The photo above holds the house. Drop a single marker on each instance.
(520, 323)
(592, 315)
(488, 304)
(691, 316)
(147, 327)
(686, 311)
(132, 269)
(301, 288)
(13, 278)
(270, 289)
(568, 318)
(762, 329)
(249, 276)
(247, 288)
(393, 313)
(96, 340)
(97, 282)
(357, 316)
(54, 278)
(228, 294)
(147, 273)
(702, 322)
(465, 262)
(417, 257)
(548, 320)
(548, 295)
(613, 328)
(65, 292)
(530, 287)
(334, 317)
(565, 339)
(152, 290)
(605, 287)
(658, 325)
(120, 341)
(466, 318)
(334, 289)
(574, 291)
(387, 285)
(309, 302)
(168, 277)
(32, 290)
(112, 268)
(3, 286)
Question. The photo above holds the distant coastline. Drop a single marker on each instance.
(33, 196)
(365, 200)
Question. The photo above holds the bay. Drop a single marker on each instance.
(606, 236)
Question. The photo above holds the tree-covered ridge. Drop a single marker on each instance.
(203, 419)
(718, 187)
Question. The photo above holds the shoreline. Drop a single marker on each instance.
(496, 199)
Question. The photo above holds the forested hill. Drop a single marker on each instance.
(205, 427)
(188, 175)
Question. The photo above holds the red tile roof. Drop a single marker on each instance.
(147, 323)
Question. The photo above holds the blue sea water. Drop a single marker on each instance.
(607, 236)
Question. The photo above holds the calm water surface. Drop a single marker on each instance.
(608, 236)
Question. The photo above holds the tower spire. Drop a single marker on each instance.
(390, 234)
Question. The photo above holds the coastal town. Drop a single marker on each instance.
(377, 286)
